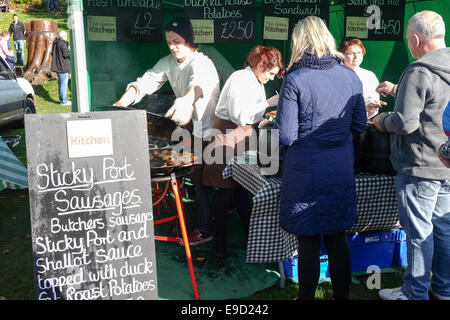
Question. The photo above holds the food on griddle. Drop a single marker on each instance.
(157, 162)
(169, 158)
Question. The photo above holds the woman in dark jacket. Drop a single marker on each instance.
(320, 102)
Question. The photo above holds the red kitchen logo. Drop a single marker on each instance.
(89, 138)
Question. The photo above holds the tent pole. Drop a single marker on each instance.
(79, 53)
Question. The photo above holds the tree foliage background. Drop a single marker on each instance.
(34, 4)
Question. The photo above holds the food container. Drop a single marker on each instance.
(375, 149)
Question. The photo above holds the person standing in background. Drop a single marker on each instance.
(18, 29)
(52, 6)
(422, 182)
(5, 49)
(61, 65)
(321, 102)
(354, 51)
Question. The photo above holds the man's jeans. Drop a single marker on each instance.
(424, 212)
(52, 5)
(63, 80)
(20, 53)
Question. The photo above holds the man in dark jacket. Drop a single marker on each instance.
(18, 29)
(422, 182)
(61, 65)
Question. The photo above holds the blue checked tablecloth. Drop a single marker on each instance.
(267, 242)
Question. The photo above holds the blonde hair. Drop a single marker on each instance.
(312, 34)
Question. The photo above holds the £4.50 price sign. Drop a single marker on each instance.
(375, 19)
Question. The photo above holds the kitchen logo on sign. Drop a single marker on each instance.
(89, 138)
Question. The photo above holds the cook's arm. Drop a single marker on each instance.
(150, 81)
(183, 107)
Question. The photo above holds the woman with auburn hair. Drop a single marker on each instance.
(354, 51)
(242, 104)
(320, 102)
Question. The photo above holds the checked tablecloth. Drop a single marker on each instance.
(267, 242)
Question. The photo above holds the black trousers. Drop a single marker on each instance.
(225, 200)
(309, 265)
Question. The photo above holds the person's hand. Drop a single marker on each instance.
(273, 101)
(373, 105)
(385, 88)
(376, 122)
(180, 112)
(127, 98)
(445, 161)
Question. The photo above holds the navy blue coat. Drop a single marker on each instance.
(316, 111)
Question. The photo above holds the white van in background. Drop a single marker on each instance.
(16, 95)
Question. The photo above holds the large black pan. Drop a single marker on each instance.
(158, 127)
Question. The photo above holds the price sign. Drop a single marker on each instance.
(233, 20)
(275, 10)
(381, 20)
(124, 20)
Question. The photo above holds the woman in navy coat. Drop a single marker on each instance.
(320, 102)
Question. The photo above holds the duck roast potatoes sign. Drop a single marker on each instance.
(90, 206)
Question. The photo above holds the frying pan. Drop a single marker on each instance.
(160, 127)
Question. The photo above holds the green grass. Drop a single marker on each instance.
(25, 17)
(47, 100)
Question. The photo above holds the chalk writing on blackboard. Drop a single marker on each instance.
(91, 216)
(142, 25)
(294, 10)
(384, 19)
(155, 4)
(136, 20)
(234, 20)
(75, 230)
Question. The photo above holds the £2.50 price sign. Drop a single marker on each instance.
(232, 20)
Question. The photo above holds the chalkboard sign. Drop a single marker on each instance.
(281, 16)
(124, 20)
(381, 20)
(90, 206)
(222, 21)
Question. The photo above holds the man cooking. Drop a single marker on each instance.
(195, 82)
(192, 76)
